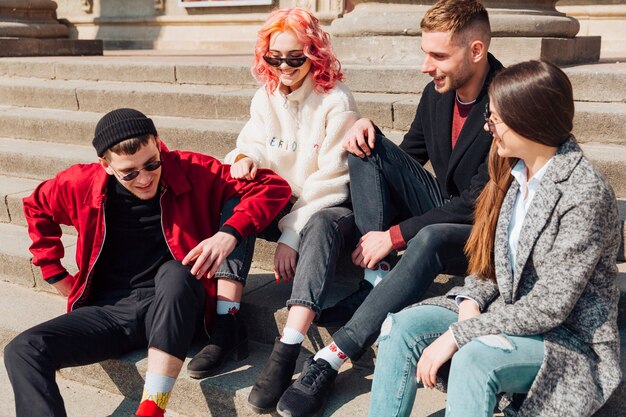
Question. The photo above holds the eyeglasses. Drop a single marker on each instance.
(292, 61)
(490, 124)
(152, 166)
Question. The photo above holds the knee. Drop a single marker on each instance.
(177, 280)
(474, 360)
(321, 222)
(407, 325)
(20, 349)
(428, 238)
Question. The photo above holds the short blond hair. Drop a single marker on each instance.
(462, 18)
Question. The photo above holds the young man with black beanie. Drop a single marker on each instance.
(149, 245)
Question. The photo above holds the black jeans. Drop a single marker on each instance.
(389, 186)
(321, 241)
(164, 317)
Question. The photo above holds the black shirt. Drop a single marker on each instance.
(134, 244)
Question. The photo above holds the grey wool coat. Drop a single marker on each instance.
(563, 286)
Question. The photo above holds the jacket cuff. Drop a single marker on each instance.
(397, 241)
(290, 238)
(56, 278)
(242, 223)
(232, 231)
(52, 270)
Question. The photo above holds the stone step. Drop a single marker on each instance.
(215, 137)
(80, 399)
(601, 82)
(594, 122)
(40, 160)
(223, 395)
(395, 111)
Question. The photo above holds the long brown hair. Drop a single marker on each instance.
(534, 99)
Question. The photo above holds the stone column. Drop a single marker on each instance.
(30, 28)
(388, 31)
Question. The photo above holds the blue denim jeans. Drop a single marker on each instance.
(481, 369)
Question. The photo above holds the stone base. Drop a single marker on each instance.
(13, 47)
(405, 50)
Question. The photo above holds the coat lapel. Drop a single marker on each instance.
(444, 110)
(471, 131)
(539, 212)
(504, 272)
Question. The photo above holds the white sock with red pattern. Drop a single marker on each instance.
(376, 275)
(227, 307)
(333, 355)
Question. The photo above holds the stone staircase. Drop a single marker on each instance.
(48, 111)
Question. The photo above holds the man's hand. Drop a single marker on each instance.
(371, 249)
(210, 253)
(435, 355)
(361, 138)
(284, 262)
(64, 286)
(468, 309)
(245, 169)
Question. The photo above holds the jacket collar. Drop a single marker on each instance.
(300, 94)
(565, 160)
(172, 177)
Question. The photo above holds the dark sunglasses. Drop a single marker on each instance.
(292, 61)
(152, 166)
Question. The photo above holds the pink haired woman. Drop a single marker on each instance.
(297, 122)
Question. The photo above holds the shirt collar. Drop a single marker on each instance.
(520, 171)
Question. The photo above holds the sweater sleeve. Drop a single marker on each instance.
(328, 186)
(251, 140)
(580, 242)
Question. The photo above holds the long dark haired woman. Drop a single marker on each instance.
(538, 311)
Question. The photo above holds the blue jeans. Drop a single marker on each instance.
(481, 369)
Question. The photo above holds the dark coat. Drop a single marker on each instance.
(461, 173)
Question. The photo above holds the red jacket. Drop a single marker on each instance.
(194, 188)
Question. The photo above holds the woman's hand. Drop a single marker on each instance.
(361, 138)
(435, 355)
(245, 168)
(284, 262)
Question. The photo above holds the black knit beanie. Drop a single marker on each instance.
(119, 125)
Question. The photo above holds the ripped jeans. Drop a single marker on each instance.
(484, 367)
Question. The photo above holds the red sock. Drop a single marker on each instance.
(149, 408)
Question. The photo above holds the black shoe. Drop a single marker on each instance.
(229, 338)
(275, 378)
(307, 396)
(339, 314)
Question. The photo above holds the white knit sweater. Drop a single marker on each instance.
(299, 136)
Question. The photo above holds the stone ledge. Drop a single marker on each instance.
(19, 47)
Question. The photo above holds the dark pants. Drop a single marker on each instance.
(387, 187)
(321, 241)
(164, 317)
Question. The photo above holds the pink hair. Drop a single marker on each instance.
(325, 68)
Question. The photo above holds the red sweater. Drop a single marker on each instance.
(194, 188)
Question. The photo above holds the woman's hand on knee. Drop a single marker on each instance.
(285, 259)
(435, 355)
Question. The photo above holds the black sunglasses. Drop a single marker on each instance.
(152, 166)
(292, 61)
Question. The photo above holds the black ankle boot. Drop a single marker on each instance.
(275, 378)
(229, 338)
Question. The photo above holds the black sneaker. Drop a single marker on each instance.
(307, 396)
(339, 314)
